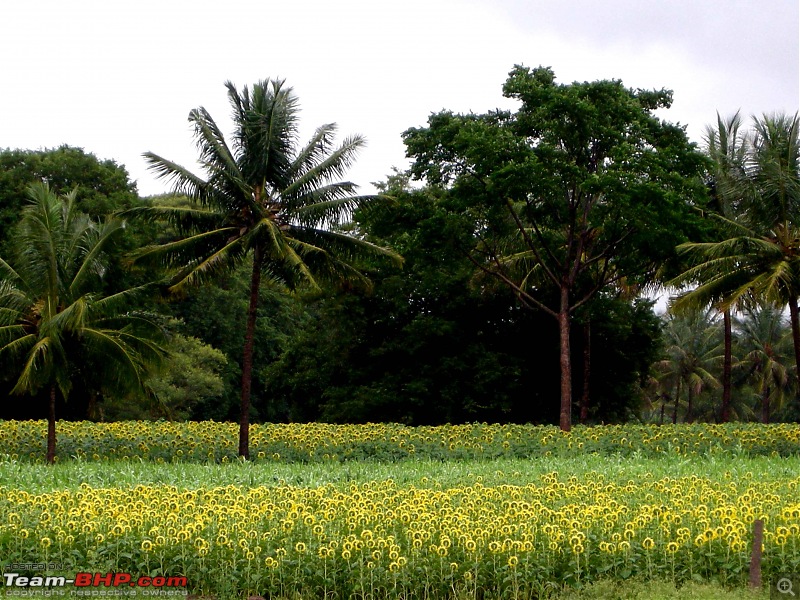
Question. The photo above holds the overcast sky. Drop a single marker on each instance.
(119, 78)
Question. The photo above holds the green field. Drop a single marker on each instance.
(566, 523)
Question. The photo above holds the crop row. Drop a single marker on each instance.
(210, 441)
(379, 539)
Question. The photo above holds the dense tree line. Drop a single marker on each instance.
(525, 250)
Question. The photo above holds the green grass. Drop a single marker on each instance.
(654, 590)
(39, 478)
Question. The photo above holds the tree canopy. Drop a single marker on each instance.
(102, 186)
(579, 188)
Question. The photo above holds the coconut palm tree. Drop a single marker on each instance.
(775, 206)
(265, 196)
(758, 259)
(766, 348)
(727, 147)
(56, 327)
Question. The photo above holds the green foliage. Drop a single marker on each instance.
(216, 314)
(757, 186)
(191, 376)
(690, 369)
(586, 158)
(580, 188)
(57, 328)
(764, 347)
(694, 357)
(51, 313)
(626, 340)
(102, 186)
(266, 193)
(433, 343)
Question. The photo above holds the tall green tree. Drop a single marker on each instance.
(727, 146)
(581, 186)
(56, 325)
(267, 196)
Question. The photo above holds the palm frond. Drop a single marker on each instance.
(37, 369)
(314, 152)
(115, 304)
(89, 262)
(199, 270)
(127, 368)
(332, 167)
(346, 247)
(71, 318)
(182, 180)
(186, 250)
(210, 141)
(328, 206)
(186, 219)
(8, 273)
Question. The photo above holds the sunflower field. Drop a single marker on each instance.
(210, 441)
(465, 512)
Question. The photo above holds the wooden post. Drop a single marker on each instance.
(755, 557)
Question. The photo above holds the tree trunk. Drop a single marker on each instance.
(795, 319)
(565, 419)
(765, 405)
(726, 369)
(51, 427)
(587, 366)
(663, 407)
(689, 398)
(677, 401)
(247, 358)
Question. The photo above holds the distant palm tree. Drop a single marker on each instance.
(766, 349)
(267, 197)
(693, 354)
(55, 325)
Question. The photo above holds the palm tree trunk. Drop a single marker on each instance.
(795, 319)
(51, 427)
(587, 365)
(726, 369)
(765, 405)
(247, 358)
(664, 399)
(565, 418)
(677, 401)
(687, 418)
